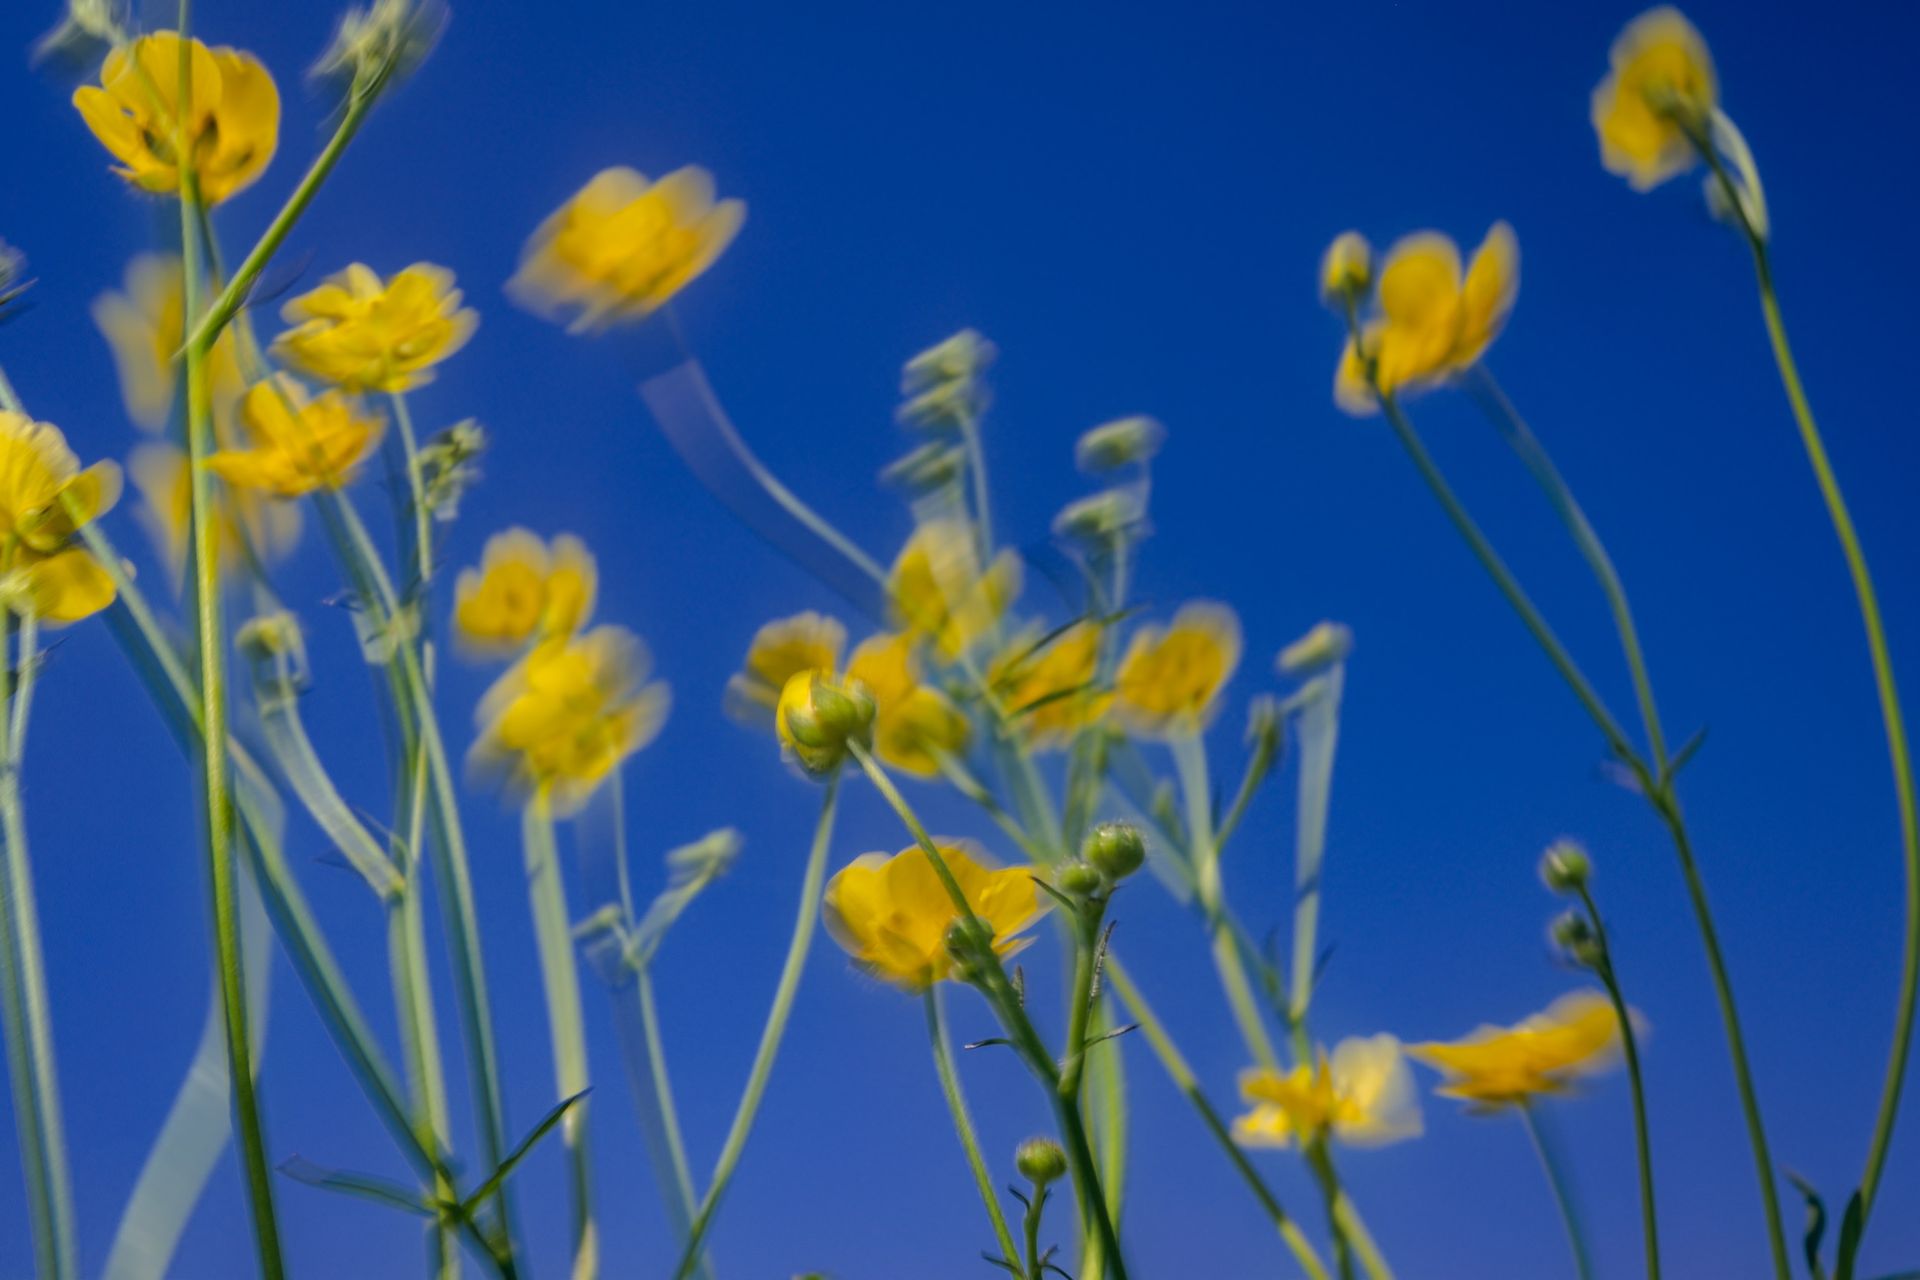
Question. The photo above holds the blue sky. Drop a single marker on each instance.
(1130, 201)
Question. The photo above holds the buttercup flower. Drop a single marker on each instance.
(365, 334)
(1049, 691)
(524, 589)
(913, 723)
(144, 326)
(1363, 1096)
(818, 715)
(1660, 86)
(44, 498)
(938, 589)
(622, 247)
(246, 521)
(779, 651)
(295, 445)
(232, 120)
(1578, 1035)
(564, 716)
(1432, 325)
(1170, 676)
(891, 914)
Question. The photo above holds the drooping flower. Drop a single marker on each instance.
(1660, 86)
(914, 724)
(1432, 325)
(45, 497)
(1170, 676)
(293, 444)
(365, 334)
(1494, 1067)
(248, 527)
(1049, 689)
(779, 651)
(622, 247)
(523, 590)
(232, 118)
(939, 590)
(1363, 1096)
(144, 326)
(563, 717)
(891, 914)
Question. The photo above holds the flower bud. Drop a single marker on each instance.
(1079, 880)
(931, 466)
(961, 358)
(13, 276)
(1100, 517)
(963, 947)
(381, 43)
(1115, 444)
(1347, 269)
(1040, 1161)
(269, 635)
(1325, 644)
(1565, 867)
(1116, 850)
(818, 716)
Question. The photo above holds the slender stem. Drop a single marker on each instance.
(1562, 1193)
(29, 1026)
(674, 1172)
(977, 469)
(421, 539)
(806, 915)
(1329, 1183)
(1030, 1233)
(963, 1126)
(1630, 1043)
(1319, 738)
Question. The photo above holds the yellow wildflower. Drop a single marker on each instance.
(247, 523)
(1170, 677)
(232, 121)
(524, 589)
(891, 914)
(44, 498)
(938, 589)
(1363, 1096)
(818, 715)
(1578, 1035)
(1050, 690)
(564, 716)
(622, 247)
(1661, 86)
(295, 445)
(1432, 325)
(779, 651)
(145, 328)
(365, 334)
(914, 724)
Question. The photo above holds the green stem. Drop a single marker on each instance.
(963, 1127)
(977, 469)
(1630, 1043)
(807, 914)
(1319, 738)
(1030, 1232)
(1562, 1194)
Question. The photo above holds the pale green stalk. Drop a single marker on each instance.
(807, 914)
(29, 1025)
(1319, 738)
(1630, 1044)
(963, 1125)
(559, 975)
(1562, 1193)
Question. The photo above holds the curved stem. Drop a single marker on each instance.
(1562, 1194)
(1630, 1044)
(963, 1126)
(770, 1035)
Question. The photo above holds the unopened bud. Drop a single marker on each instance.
(1100, 517)
(963, 948)
(1116, 849)
(1346, 271)
(933, 465)
(961, 358)
(818, 716)
(1040, 1161)
(1573, 934)
(1079, 880)
(1325, 644)
(1116, 444)
(1565, 867)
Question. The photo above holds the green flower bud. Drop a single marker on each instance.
(1324, 645)
(1040, 1161)
(1079, 880)
(961, 358)
(1565, 867)
(1100, 517)
(818, 716)
(1116, 849)
(1573, 934)
(970, 959)
(933, 465)
(1112, 445)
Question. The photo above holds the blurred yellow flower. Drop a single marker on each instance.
(1167, 683)
(622, 247)
(524, 589)
(891, 914)
(818, 715)
(779, 651)
(913, 724)
(250, 526)
(1432, 325)
(232, 120)
(1050, 691)
(939, 591)
(1578, 1035)
(1363, 1096)
(1660, 86)
(365, 334)
(295, 445)
(44, 499)
(1347, 267)
(564, 716)
(145, 328)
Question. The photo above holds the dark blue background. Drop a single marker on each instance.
(1131, 202)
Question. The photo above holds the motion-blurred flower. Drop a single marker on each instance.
(523, 590)
(45, 497)
(780, 650)
(1047, 683)
(248, 526)
(1170, 677)
(891, 914)
(363, 333)
(1363, 1096)
(144, 326)
(1660, 88)
(293, 444)
(939, 590)
(1578, 1035)
(914, 724)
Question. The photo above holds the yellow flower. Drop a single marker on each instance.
(781, 650)
(818, 715)
(232, 121)
(1494, 1067)
(1050, 691)
(295, 445)
(1660, 86)
(1364, 1097)
(523, 590)
(44, 498)
(364, 334)
(1432, 325)
(892, 914)
(938, 589)
(914, 724)
(564, 716)
(1168, 681)
(1347, 267)
(145, 328)
(247, 522)
(622, 247)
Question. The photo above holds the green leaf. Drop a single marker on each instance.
(366, 1186)
(498, 1177)
(1852, 1223)
(1816, 1224)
